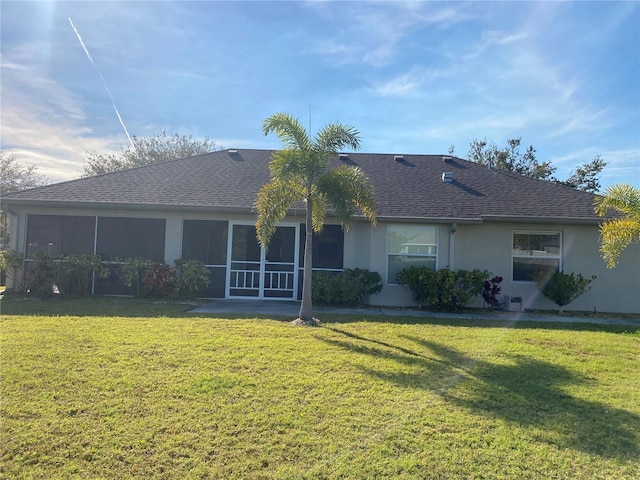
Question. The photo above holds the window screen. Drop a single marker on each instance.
(57, 235)
(120, 237)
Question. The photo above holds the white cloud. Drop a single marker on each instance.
(43, 123)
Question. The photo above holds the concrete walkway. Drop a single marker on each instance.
(291, 309)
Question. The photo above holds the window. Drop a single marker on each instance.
(535, 253)
(58, 235)
(410, 245)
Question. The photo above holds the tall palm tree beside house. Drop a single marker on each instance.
(616, 234)
(301, 172)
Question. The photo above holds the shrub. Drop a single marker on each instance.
(193, 276)
(490, 290)
(74, 273)
(348, 287)
(40, 277)
(161, 281)
(563, 288)
(442, 289)
(132, 273)
(10, 260)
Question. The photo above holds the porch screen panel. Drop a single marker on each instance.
(328, 247)
(328, 250)
(120, 238)
(58, 235)
(206, 241)
(124, 237)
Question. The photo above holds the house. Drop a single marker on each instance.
(432, 210)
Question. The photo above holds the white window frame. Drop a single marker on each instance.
(417, 255)
(533, 256)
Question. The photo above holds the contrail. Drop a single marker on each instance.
(103, 82)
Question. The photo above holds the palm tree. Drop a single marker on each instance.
(616, 234)
(300, 172)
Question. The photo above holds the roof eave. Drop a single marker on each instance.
(552, 220)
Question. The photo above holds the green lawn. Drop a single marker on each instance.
(113, 388)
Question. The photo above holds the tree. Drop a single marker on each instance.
(616, 234)
(585, 177)
(300, 172)
(511, 159)
(563, 288)
(145, 150)
(15, 176)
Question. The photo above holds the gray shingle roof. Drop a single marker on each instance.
(410, 188)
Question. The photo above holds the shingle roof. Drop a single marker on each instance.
(411, 187)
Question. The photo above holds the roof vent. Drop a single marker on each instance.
(447, 159)
(233, 151)
(447, 177)
(343, 156)
(398, 158)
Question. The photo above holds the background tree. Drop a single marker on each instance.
(154, 149)
(300, 172)
(616, 234)
(15, 176)
(510, 158)
(585, 177)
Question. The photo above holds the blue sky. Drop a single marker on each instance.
(413, 77)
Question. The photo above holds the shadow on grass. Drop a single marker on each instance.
(521, 390)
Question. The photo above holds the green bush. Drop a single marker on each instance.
(347, 288)
(193, 276)
(563, 288)
(41, 276)
(442, 289)
(132, 273)
(74, 273)
(10, 261)
(161, 281)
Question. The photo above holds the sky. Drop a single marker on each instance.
(412, 77)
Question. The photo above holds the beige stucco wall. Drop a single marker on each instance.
(489, 245)
(484, 246)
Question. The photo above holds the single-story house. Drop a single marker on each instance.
(432, 210)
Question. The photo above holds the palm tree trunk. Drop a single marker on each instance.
(306, 309)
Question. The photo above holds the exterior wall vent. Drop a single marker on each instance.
(398, 158)
(447, 159)
(447, 177)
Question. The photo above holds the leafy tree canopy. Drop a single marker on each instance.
(15, 176)
(145, 150)
(510, 158)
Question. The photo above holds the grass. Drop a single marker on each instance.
(116, 388)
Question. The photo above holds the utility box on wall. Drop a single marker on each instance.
(514, 304)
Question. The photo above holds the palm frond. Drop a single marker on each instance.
(272, 203)
(348, 189)
(616, 235)
(289, 130)
(335, 136)
(621, 197)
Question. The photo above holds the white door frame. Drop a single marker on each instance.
(263, 261)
